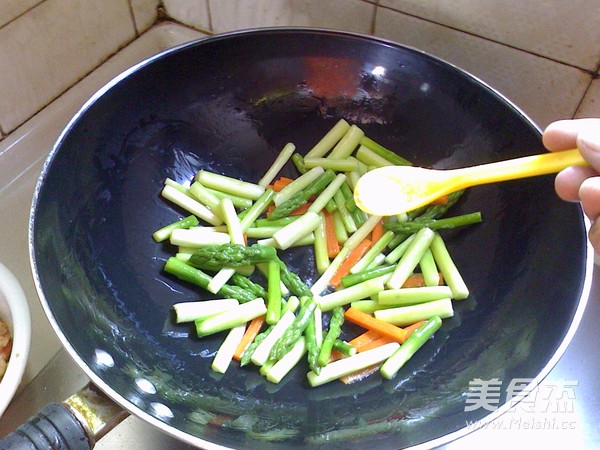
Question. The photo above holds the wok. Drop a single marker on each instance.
(228, 104)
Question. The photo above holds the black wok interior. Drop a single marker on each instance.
(229, 104)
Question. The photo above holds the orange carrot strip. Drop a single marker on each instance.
(379, 326)
(364, 339)
(350, 260)
(359, 374)
(333, 246)
(251, 331)
(374, 344)
(375, 340)
(280, 183)
(301, 209)
(377, 232)
(417, 280)
(297, 212)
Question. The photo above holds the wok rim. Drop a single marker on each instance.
(197, 441)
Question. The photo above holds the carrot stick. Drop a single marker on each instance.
(417, 280)
(364, 320)
(364, 339)
(297, 212)
(251, 332)
(280, 183)
(301, 209)
(350, 260)
(377, 232)
(374, 344)
(333, 246)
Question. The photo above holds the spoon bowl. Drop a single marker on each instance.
(391, 190)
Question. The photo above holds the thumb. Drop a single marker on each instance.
(588, 143)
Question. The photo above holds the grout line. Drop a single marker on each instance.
(31, 8)
(208, 10)
(135, 28)
(373, 18)
(4, 133)
(78, 80)
(585, 93)
(185, 25)
(588, 71)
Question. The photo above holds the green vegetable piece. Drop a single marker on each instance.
(434, 224)
(247, 356)
(285, 343)
(344, 348)
(293, 282)
(301, 197)
(215, 257)
(312, 346)
(335, 329)
(273, 293)
(185, 272)
(415, 341)
(384, 152)
(435, 211)
(298, 161)
(249, 285)
(165, 232)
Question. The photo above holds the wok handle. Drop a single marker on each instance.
(75, 424)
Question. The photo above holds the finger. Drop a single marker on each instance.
(588, 143)
(589, 194)
(594, 235)
(568, 182)
(562, 134)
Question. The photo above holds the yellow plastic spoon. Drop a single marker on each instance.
(396, 189)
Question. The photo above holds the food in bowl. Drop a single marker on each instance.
(15, 335)
(5, 347)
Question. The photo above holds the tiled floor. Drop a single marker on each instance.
(561, 31)
(21, 157)
(545, 90)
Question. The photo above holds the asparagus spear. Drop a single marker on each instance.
(298, 161)
(312, 346)
(335, 329)
(416, 340)
(435, 211)
(164, 233)
(294, 332)
(249, 285)
(301, 197)
(367, 274)
(215, 257)
(292, 281)
(344, 347)
(434, 224)
(384, 152)
(247, 356)
(185, 272)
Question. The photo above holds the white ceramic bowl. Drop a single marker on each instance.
(14, 310)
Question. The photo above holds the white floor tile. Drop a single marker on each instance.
(566, 31)
(543, 89)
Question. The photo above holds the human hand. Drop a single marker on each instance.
(579, 183)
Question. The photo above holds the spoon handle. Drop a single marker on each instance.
(523, 167)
